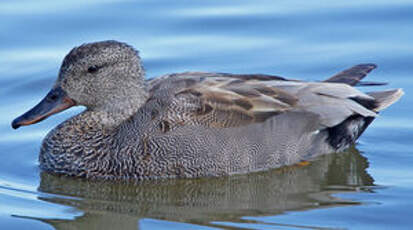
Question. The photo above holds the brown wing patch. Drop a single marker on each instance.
(236, 98)
(243, 103)
(245, 92)
(266, 91)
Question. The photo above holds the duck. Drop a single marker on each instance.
(193, 124)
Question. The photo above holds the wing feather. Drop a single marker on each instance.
(249, 97)
(227, 100)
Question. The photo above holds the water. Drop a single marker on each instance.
(369, 187)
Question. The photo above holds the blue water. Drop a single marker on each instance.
(370, 187)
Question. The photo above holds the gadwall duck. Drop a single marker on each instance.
(193, 124)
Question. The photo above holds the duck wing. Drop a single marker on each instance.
(354, 75)
(222, 100)
(230, 100)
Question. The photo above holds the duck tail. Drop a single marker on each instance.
(384, 99)
(347, 132)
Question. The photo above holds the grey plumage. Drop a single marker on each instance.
(197, 124)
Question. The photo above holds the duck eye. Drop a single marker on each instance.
(92, 69)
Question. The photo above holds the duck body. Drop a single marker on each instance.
(198, 124)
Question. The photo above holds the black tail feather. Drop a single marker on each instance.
(347, 132)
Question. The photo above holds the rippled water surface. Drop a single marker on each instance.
(369, 186)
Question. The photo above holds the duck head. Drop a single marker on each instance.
(103, 76)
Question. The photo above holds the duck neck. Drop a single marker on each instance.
(119, 109)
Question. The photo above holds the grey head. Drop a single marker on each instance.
(104, 76)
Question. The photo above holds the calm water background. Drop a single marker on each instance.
(371, 187)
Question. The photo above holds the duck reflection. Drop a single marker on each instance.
(200, 201)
